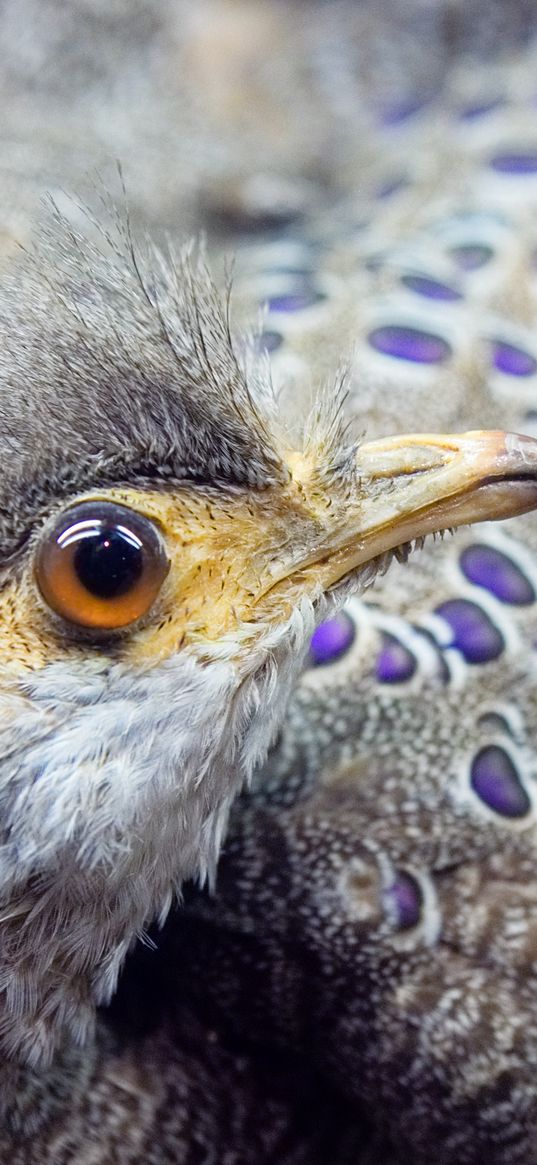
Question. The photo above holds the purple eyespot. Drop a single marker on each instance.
(395, 663)
(404, 899)
(496, 572)
(480, 109)
(411, 344)
(332, 640)
(495, 780)
(474, 633)
(512, 360)
(268, 342)
(401, 110)
(295, 301)
(471, 256)
(392, 186)
(431, 288)
(515, 162)
(375, 262)
(495, 722)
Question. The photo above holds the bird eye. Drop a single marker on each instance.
(101, 565)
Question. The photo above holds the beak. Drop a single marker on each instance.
(418, 484)
(247, 560)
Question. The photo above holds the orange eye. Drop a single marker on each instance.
(101, 565)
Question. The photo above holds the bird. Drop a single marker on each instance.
(375, 906)
(168, 551)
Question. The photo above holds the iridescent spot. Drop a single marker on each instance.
(375, 262)
(401, 110)
(494, 722)
(404, 343)
(332, 640)
(480, 109)
(474, 633)
(404, 900)
(395, 663)
(512, 360)
(431, 288)
(294, 301)
(496, 572)
(268, 342)
(495, 780)
(391, 186)
(515, 162)
(471, 256)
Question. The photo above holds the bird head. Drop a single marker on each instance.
(164, 557)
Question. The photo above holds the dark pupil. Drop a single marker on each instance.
(108, 563)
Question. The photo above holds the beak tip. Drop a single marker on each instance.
(521, 447)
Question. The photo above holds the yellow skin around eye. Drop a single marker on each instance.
(220, 553)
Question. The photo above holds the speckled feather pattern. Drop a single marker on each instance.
(360, 988)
